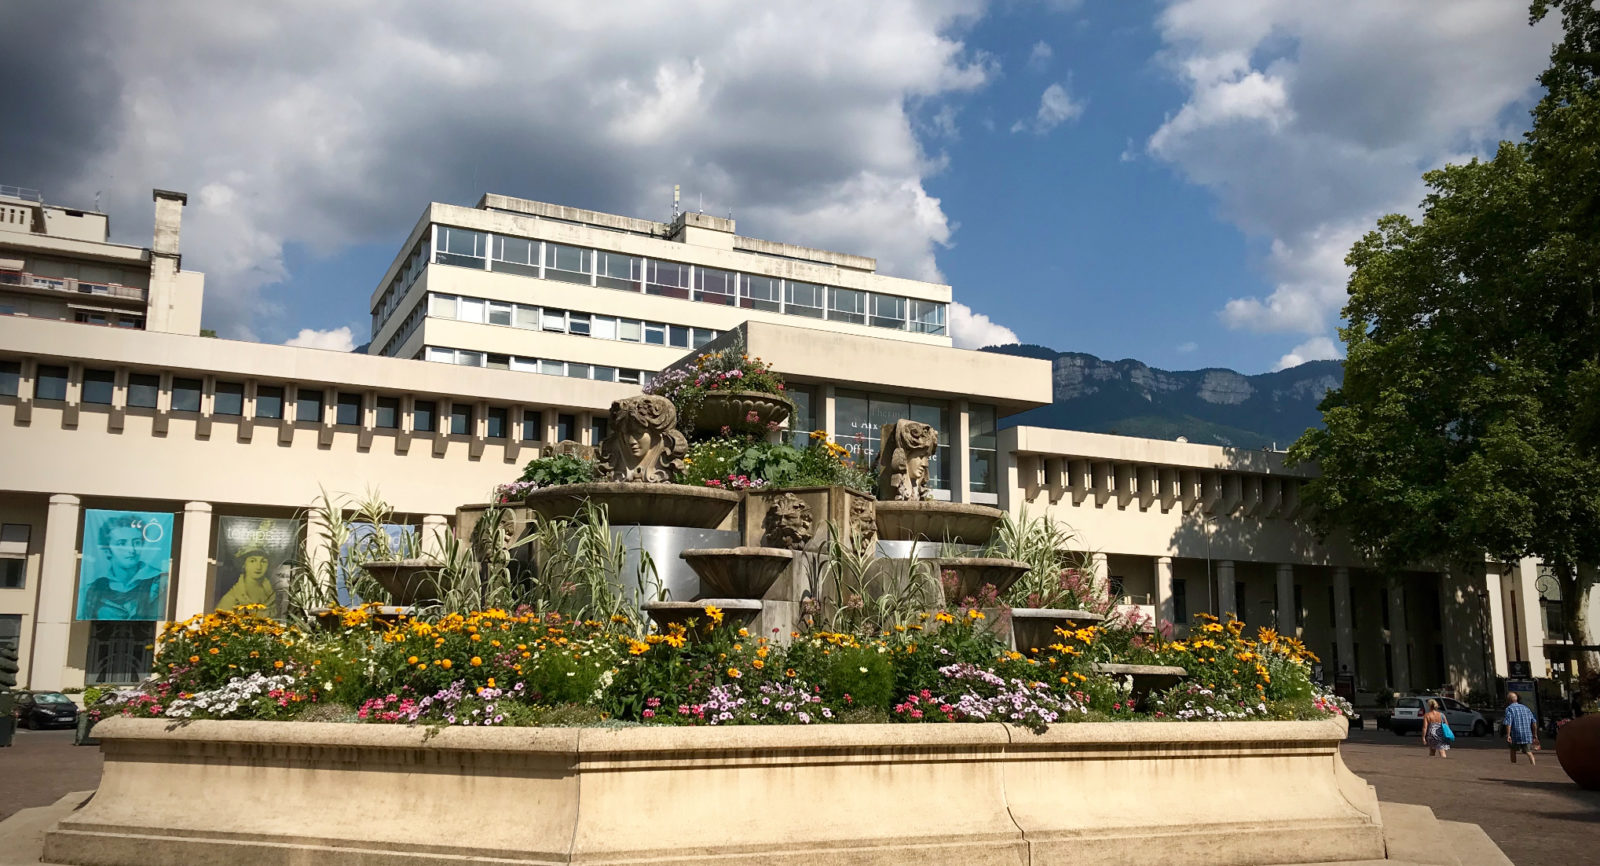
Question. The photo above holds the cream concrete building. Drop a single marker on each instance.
(548, 314)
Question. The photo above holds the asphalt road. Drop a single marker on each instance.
(1534, 813)
(41, 767)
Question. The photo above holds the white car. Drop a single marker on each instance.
(1409, 710)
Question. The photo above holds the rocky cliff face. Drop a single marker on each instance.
(1214, 406)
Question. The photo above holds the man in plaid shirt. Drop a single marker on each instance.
(1519, 728)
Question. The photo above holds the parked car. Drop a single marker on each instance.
(46, 710)
(1409, 710)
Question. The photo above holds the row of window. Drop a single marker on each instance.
(478, 310)
(547, 366)
(311, 405)
(593, 267)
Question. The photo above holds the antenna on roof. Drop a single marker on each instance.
(674, 202)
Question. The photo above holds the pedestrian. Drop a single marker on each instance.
(1519, 723)
(1433, 723)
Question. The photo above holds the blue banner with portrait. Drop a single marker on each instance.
(127, 558)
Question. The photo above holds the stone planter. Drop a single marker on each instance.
(279, 793)
(408, 581)
(327, 620)
(1146, 678)
(1578, 750)
(1034, 628)
(738, 572)
(737, 613)
(719, 409)
(804, 515)
(937, 522)
(634, 504)
(964, 577)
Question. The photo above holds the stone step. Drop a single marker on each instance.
(22, 834)
(1472, 846)
(1412, 834)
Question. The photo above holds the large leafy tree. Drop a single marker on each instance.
(1469, 418)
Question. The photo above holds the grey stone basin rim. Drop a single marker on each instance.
(1055, 613)
(774, 552)
(723, 603)
(1141, 670)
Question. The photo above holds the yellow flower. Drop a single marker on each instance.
(941, 616)
(491, 682)
(194, 659)
(734, 672)
(974, 613)
(476, 661)
(446, 663)
(715, 613)
(278, 664)
(412, 660)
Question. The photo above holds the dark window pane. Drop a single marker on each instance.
(10, 378)
(308, 406)
(51, 383)
(460, 419)
(566, 428)
(423, 415)
(143, 390)
(597, 431)
(677, 335)
(387, 416)
(229, 399)
(269, 402)
(186, 395)
(532, 425)
(348, 411)
(98, 385)
(496, 422)
(13, 573)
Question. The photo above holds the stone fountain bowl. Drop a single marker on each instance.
(937, 522)
(637, 504)
(1144, 678)
(737, 613)
(719, 409)
(408, 581)
(738, 572)
(970, 573)
(1034, 628)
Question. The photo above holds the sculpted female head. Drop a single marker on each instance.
(643, 444)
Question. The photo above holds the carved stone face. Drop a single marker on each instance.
(903, 456)
(788, 522)
(642, 444)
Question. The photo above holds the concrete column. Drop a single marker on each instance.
(1102, 574)
(1398, 639)
(1532, 617)
(1343, 634)
(1225, 597)
(194, 557)
(1165, 609)
(960, 453)
(58, 576)
(829, 415)
(434, 529)
(1495, 599)
(1286, 609)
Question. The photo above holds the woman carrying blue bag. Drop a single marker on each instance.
(1436, 733)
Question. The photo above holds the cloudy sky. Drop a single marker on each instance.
(1176, 182)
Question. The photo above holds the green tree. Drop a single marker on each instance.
(1469, 418)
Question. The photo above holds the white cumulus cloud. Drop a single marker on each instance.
(1056, 106)
(335, 339)
(970, 330)
(1314, 349)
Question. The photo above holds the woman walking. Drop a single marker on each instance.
(1433, 725)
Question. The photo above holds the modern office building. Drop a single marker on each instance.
(503, 329)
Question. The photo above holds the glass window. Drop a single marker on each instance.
(13, 575)
(668, 279)
(617, 271)
(10, 378)
(497, 362)
(603, 328)
(701, 336)
(554, 320)
(469, 310)
(143, 390)
(714, 286)
(553, 368)
(605, 374)
(936, 414)
(630, 377)
(524, 365)
(853, 420)
(11, 630)
(469, 359)
(386, 415)
(532, 425)
(803, 299)
(678, 335)
(130, 321)
(443, 306)
(460, 247)
(655, 333)
(447, 356)
(578, 323)
(51, 383)
(597, 430)
(308, 406)
(527, 317)
(495, 421)
(889, 311)
(568, 264)
(566, 428)
(760, 293)
(927, 317)
(847, 305)
(516, 256)
(631, 330)
(186, 395)
(577, 371)
(119, 652)
(348, 410)
(423, 416)
(499, 314)
(981, 443)
(269, 401)
(461, 419)
(802, 421)
(228, 399)
(98, 386)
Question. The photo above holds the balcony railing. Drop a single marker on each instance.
(67, 285)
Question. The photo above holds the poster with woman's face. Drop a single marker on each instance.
(254, 557)
(127, 556)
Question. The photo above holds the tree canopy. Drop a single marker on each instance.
(1469, 418)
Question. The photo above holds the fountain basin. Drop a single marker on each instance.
(738, 572)
(639, 504)
(962, 577)
(736, 613)
(1146, 678)
(408, 581)
(719, 409)
(1034, 628)
(937, 522)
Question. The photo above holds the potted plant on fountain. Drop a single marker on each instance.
(725, 391)
(1058, 591)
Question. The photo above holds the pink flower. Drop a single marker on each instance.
(649, 714)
